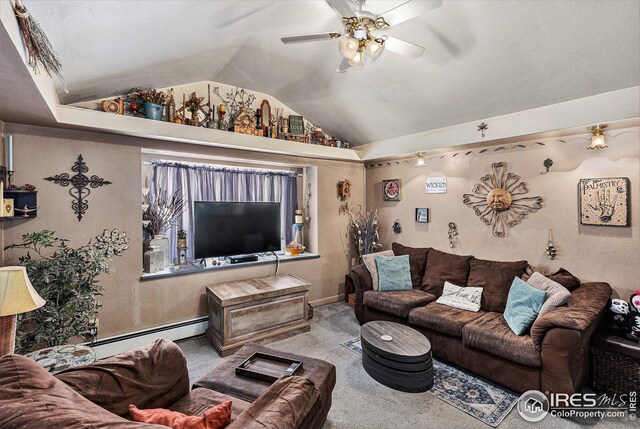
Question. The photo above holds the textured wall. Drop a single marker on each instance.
(128, 303)
(609, 254)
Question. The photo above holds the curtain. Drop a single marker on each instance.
(216, 183)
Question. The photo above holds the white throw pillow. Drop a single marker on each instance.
(557, 294)
(370, 262)
(464, 298)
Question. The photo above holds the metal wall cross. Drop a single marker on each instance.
(80, 185)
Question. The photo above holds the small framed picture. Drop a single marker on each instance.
(391, 190)
(296, 125)
(422, 215)
(7, 207)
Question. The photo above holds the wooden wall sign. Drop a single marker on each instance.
(296, 125)
(435, 185)
(604, 202)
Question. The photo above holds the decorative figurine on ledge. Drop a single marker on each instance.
(245, 123)
(634, 317)
(619, 311)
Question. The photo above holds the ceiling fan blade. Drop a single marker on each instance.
(234, 19)
(403, 48)
(342, 8)
(409, 10)
(343, 65)
(310, 37)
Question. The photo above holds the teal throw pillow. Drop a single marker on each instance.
(393, 273)
(523, 305)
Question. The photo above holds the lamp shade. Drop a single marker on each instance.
(374, 49)
(17, 295)
(349, 47)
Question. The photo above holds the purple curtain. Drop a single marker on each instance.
(216, 183)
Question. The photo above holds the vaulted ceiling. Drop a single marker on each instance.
(483, 58)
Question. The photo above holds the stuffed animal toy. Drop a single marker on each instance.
(634, 317)
(619, 310)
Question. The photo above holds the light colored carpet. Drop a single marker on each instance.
(358, 400)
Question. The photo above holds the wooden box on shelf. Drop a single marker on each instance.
(25, 204)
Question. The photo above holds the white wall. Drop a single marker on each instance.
(594, 253)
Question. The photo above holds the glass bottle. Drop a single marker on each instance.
(171, 107)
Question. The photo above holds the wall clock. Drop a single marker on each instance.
(391, 190)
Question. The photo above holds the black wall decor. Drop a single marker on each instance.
(80, 185)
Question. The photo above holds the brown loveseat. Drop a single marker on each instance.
(553, 356)
(97, 396)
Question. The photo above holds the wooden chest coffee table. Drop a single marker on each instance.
(403, 362)
(256, 310)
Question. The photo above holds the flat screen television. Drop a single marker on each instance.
(235, 228)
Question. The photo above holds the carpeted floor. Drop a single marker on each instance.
(358, 400)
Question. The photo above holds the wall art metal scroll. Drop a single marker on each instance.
(604, 202)
(499, 200)
(81, 185)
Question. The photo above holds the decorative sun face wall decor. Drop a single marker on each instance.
(499, 200)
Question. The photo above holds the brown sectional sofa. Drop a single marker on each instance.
(156, 376)
(553, 356)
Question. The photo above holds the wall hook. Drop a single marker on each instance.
(483, 127)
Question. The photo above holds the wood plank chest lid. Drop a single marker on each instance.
(241, 291)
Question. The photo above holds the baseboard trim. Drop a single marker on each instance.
(174, 331)
(327, 300)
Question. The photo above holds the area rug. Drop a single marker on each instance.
(477, 397)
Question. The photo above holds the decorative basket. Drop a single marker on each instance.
(614, 372)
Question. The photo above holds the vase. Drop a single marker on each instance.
(153, 111)
(162, 243)
(153, 260)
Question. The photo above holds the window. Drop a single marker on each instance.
(200, 182)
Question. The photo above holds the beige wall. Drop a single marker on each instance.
(590, 252)
(128, 303)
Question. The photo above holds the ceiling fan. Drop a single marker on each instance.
(361, 30)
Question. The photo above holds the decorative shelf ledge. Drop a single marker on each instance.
(81, 118)
(194, 269)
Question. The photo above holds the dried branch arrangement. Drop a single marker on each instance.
(37, 43)
(364, 230)
(235, 100)
(162, 211)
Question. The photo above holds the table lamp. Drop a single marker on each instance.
(17, 295)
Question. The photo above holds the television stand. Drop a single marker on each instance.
(242, 258)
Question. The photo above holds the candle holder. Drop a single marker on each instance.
(9, 178)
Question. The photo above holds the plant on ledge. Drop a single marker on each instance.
(66, 279)
(364, 231)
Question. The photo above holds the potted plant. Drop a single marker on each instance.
(153, 102)
(67, 280)
(182, 239)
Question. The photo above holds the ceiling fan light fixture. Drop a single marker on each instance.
(357, 60)
(349, 48)
(374, 48)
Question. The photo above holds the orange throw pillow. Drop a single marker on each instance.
(214, 418)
